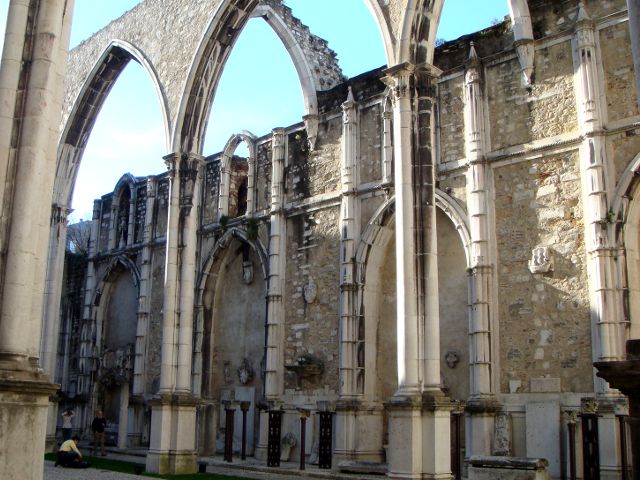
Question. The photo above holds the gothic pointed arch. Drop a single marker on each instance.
(219, 248)
(374, 267)
(624, 232)
(86, 107)
(315, 64)
(229, 334)
(237, 177)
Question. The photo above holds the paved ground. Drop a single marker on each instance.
(250, 469)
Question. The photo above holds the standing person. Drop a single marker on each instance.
(69, 453)
(67, 415)
(97, 427)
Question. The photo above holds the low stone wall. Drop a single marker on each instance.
(507, 468)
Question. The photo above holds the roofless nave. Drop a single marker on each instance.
(457, 231)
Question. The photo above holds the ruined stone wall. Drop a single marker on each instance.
(617, 65)
(263, 176)
(313, 293)
(211, 191)
(545, 327)
(370, 164)
(450, 114)
(154, 329)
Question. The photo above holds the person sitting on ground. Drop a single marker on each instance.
(69, 453)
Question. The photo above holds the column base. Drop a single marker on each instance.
(173, 434)
(24, 401)
(479, 426)
(419, 437)
(359, 432)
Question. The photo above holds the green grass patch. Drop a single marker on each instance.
(103, 463)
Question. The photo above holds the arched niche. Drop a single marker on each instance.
(116, 314)
(237, 177)
(376, 257)
(625, 232)
(230, 333)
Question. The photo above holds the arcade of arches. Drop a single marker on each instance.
(452, 236)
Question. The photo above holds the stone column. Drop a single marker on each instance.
(481, 404)
(145, 290)
(190, 187)
(123, 416)
(169, 318)
(51, 314)
(225, 180)
(274, 374)
(113, 223)
(352, 416)
(349, 234)
(606, 297)
(387, 143)
(173, 421)
(603, 265)
(131, 224)
(419, 413)
(88, 334)
(31, 92)
(251, 180)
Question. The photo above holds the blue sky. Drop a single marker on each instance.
(129, 136)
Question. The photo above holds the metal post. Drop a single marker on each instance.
(244, 406)
(228, 434)
(623, 446)
(304, 413)
(456, 441)
(324, 442)
(273, 447)
(590, 447)
(572, 449)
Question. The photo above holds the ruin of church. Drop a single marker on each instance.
(433, 258)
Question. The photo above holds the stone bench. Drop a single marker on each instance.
(483, 467)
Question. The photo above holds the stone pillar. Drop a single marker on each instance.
(172, 446)
(481, 402)
(31, 92)
(605, 288)
(353, 416)
(274, 374)
(349, 231)
(419, 413)
(145, 286)
(251, 177)
(603, 267)
(387, 142)
(169, 317)
(88, 333)
(123, 416)
(190, 187)
(225, 180)
(51, 314)
(131, 224)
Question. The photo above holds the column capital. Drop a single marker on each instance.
(277, 135)
(402, 78)
(151, 186)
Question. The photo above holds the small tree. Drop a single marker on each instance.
(78, 236)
